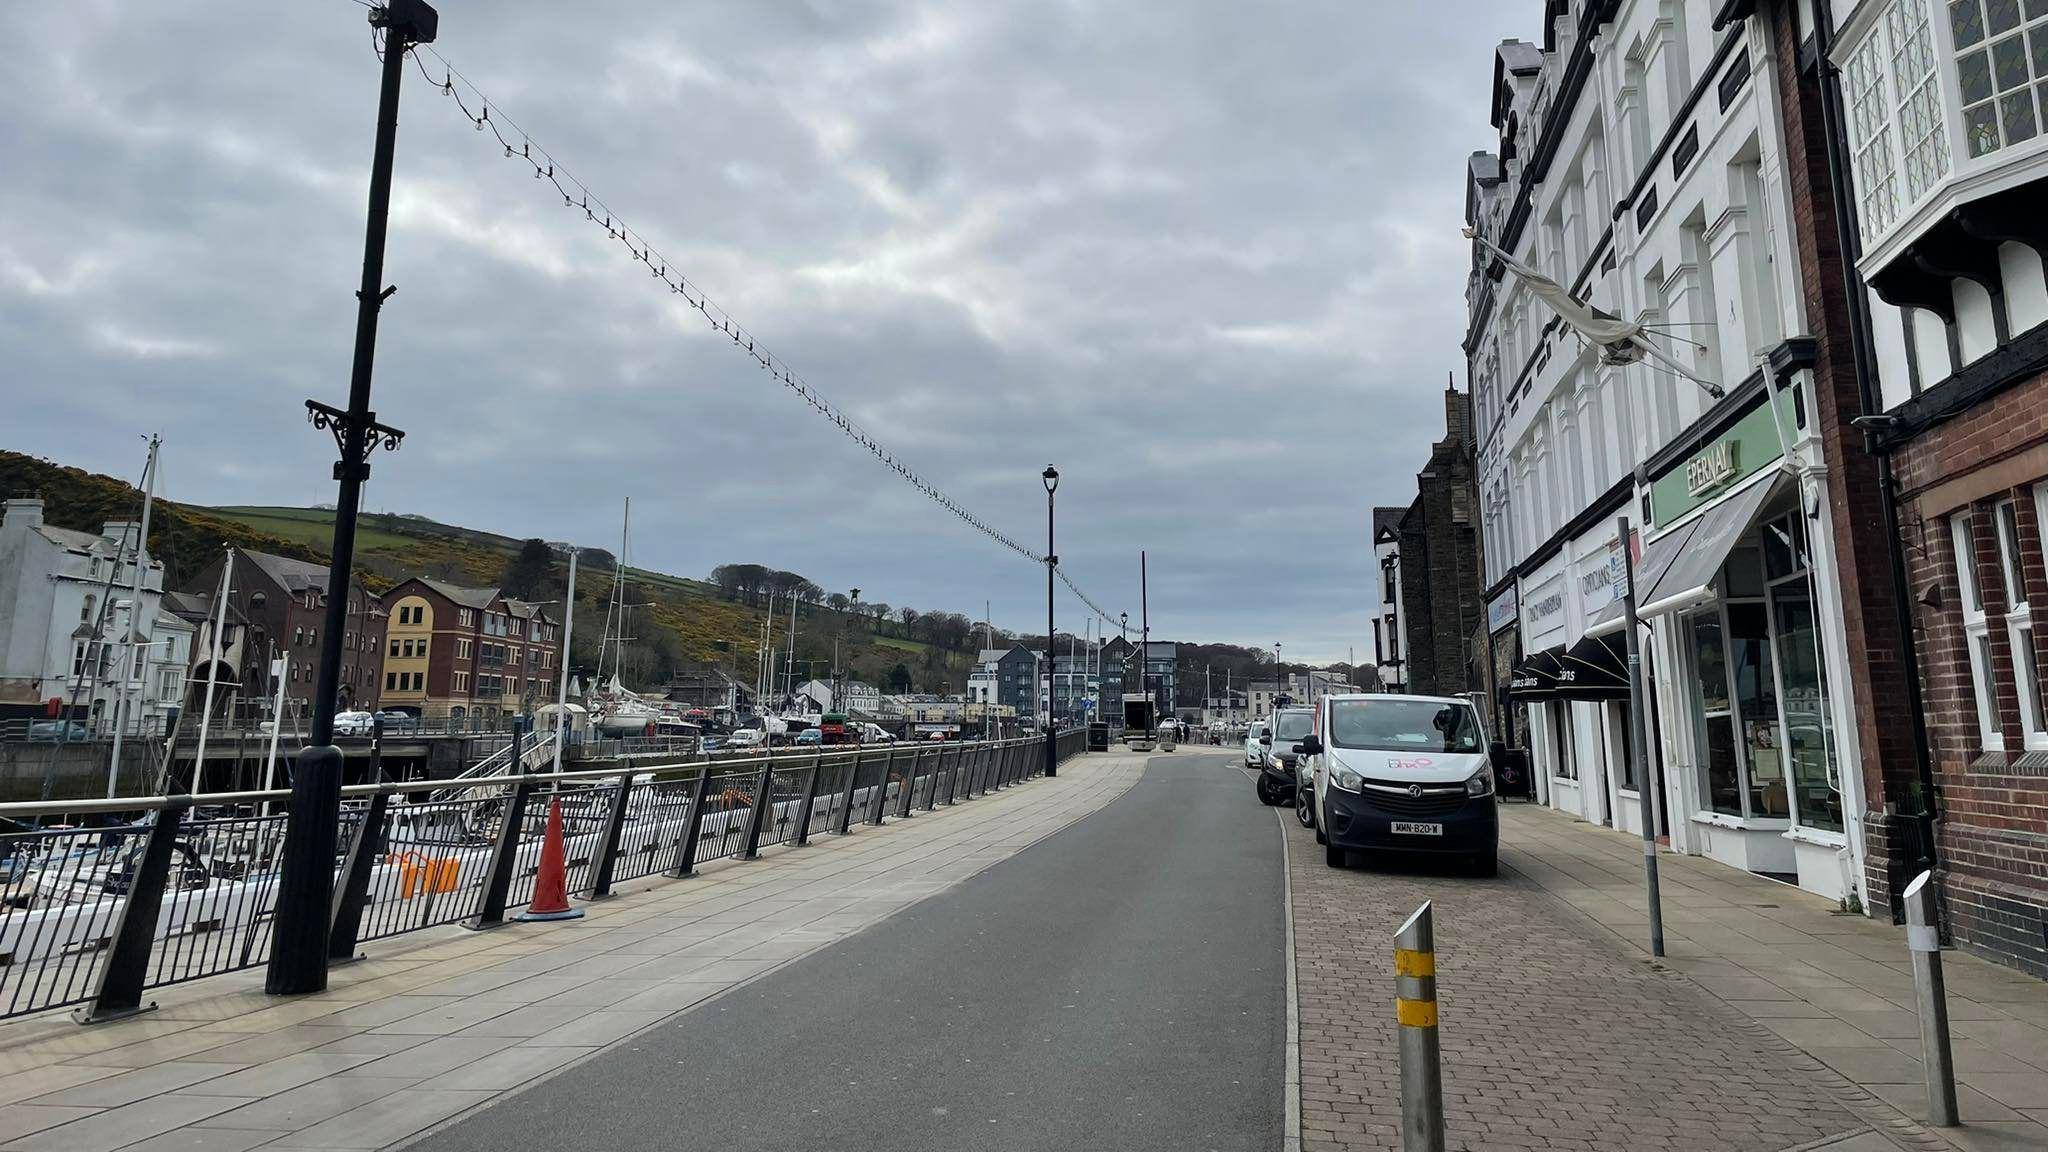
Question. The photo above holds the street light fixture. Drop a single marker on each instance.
(1051, 476)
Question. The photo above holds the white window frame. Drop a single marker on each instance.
(1976, 633)
(2019, 621)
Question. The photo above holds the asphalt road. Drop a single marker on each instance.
(1120, 984)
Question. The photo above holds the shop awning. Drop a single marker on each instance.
(1596, 668)
(1689, 579)
(1658, 557)
(1535, 676)
(1678, 567)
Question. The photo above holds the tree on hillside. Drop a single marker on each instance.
(899, 679)
(527, 572)
(838, 602)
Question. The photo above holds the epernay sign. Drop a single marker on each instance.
(1710, 469)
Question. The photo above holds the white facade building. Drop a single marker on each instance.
(1639, 165)
(69, 626)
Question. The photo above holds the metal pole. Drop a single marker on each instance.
(305, 888)
(127, 663)
(1422, 1082)
(568, 629)
(1145, 647)
(1639, 735)
(220, 624)
(1923, 938)
(280, 667)
(1052, 563)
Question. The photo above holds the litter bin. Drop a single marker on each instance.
(1098, 736)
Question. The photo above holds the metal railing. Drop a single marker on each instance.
(167, 892)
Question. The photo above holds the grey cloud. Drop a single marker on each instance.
(1201, 255)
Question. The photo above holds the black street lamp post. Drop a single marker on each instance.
(1051, 476)
(305, 887)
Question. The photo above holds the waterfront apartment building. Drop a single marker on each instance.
(467, 653)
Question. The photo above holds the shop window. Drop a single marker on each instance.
(2019, 625)
(1717, 722)
(1618, 741)
(1976, 633)
(1756, 699)
(1565, 765)
(1809, 734)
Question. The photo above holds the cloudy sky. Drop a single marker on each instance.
(1202, 256)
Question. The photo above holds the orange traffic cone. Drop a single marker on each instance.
(551, 886)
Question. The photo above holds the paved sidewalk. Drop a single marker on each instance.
(442, 1021)
(1838, 988)
(1552, 1036)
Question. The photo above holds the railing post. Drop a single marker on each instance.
(764, 799)
(931, 798)
(1422, 1083)
(498, 885)
(908, 800)
(845, 818)
(952, 779)
(686, 851)
(126, 969)
(881, 803)
(354, 892)
(977, 784)
(614, 831)
(803, 814)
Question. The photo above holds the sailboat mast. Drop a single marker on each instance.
(134, 629)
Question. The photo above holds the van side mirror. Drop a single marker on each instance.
(1309, 746)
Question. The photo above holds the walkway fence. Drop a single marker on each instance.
(170, 891)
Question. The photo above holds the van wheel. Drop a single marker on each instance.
(1487, 864)
(1334, 856)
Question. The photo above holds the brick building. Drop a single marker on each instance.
(467, 653)
(1438, 597)
(1916, 175)
(284, 604)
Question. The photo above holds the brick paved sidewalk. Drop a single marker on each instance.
(1838, 987)
(1553, 1037)
(444, 1020)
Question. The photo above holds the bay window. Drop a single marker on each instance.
(2001, 54)
(1893, 97)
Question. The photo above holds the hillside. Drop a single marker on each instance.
(684, 622)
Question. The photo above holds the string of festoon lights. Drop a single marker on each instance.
(516, 144)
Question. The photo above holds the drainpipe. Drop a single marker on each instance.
(1849, 236)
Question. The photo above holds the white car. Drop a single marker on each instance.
(1254, 749)
(744, 738)
(354, 723)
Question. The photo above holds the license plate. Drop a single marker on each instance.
(1410, 828)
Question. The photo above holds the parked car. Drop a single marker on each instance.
(1277, 778)
(1254, 746)
(353, 723)
(58, 731)
(809, 737)
(710, 743)
(1401, 773)
(744, 738)
(396, 721)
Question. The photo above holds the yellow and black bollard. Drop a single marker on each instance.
(1422, 1083)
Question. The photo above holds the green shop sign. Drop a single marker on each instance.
(1742, 450)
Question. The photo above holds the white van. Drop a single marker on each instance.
(1402, 773)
